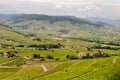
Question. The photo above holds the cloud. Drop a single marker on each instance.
(80, 8)
(82, 4)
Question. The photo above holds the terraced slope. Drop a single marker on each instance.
(12, 36)
(26, 73)
(93, 69)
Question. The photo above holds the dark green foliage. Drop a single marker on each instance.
(88, 48)
(50, 57)
(57, 59)
(12, 54)
(114, 54)
(5, 45)
(45, 46)
(37, 39)
(42, 59)
(67, 56)
(105, 47)
(72, 57)
(20, 45)
(36, 55)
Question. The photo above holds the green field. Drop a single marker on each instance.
(59, 50)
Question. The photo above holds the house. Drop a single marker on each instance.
(37, 59)
(16, 54)
(27, 57)
(81, 54)
(5, 54)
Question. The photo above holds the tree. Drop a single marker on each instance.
(50, 57)
(36, 55)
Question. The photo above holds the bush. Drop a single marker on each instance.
(12, 54)
(36, 55)
(72, 57)
(50, 57)
(42, 59)
(57, 59)
(114, 54)
(20, 46)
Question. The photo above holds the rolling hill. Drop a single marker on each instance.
(64, 26)
(57, 48)
(114, 22)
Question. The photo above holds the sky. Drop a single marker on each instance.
(78, 8)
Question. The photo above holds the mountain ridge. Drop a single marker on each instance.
(16, 18)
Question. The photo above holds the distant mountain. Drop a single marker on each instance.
(50, 19)
(115, 22)
(62, 26)
(6, 16)
(17, 18)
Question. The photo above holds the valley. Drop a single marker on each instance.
(42, 47)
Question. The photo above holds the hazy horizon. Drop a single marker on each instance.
(78, 8)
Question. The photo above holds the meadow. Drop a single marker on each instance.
(39, 50)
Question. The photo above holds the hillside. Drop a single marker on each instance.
(65, 26)
(114, 22)
(40, 47)
(11, 36)
(17, 18)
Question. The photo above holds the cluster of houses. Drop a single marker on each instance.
(37, 59)
(96, 53)
(8, 54)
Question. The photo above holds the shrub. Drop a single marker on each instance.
(114, 54)
(12, 54)
(20, 46)
(57, 59)
(36, 55)
(50, 57)
(72, 57)
(42, 59)
(67, 56)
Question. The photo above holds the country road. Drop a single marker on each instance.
(44, 68)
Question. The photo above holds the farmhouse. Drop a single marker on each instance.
(27, 57)
(81, 54)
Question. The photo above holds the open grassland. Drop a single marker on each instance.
(60, 67)
(93, 69)
(84, 69)
(26, 73)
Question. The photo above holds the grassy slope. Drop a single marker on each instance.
(94, 69)
(26, 73)
(74, 70)
(10, 36)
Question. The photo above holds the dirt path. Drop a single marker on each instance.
(114, 60)
(44, 68)
(9, 62)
